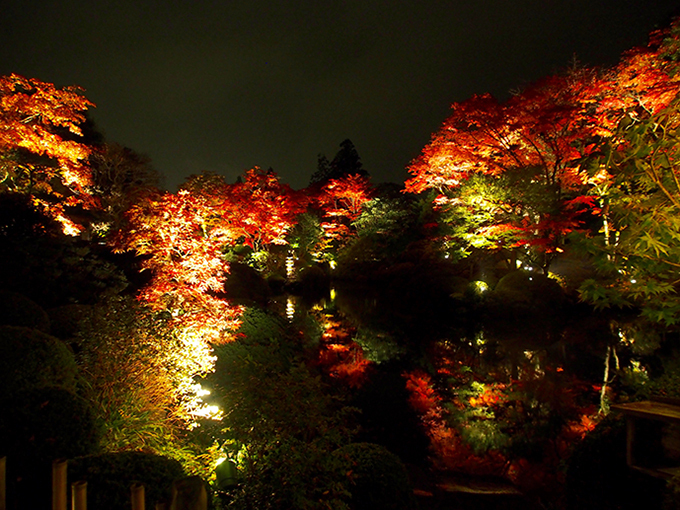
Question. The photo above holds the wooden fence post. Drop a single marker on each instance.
(3, 483)
(137, 495)
(79, 495)
(59, 468)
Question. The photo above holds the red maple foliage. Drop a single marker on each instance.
(548, 130)
(341, 201)
(261, 209)
(180, 243)
(39, 154)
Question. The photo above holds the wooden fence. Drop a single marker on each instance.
(79, 492)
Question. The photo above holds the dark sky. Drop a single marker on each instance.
(223, 86)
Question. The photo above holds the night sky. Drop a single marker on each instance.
(223, 86)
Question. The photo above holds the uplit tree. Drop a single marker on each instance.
(261, 209)
(510, 172)
(511, 175)
(41, 150)
(180, 239)
(340, 203)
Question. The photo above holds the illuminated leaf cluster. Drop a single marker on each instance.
(515, 174)
(39, 154)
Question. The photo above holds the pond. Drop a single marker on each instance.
(494, 382)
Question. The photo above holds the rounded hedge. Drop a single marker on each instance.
(31, 359)
(109, 477)
(38, 426)
(44, 424)
(18, 310)
(375, 477)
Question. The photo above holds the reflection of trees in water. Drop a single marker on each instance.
(504, 373)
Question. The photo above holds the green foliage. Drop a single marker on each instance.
(665, 382)
(305, 237)
(637, 252)
(375, 478)
(515, 211)
(390, 224)
(32, 359)
(109, 478)
(282, 421)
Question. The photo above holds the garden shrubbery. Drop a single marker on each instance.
(31, 359)
(18, 310)
(375, 478)
(109, 477)
(38, 426)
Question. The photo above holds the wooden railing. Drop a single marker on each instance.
(79, 492)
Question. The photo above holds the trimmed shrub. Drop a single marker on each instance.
(18, 310)
(109, 477)
(43, 424)
(38, 426)
(32, 359)
(375, 478)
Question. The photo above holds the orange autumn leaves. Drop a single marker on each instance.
(545, 133)
(182, 238)
(39, 149)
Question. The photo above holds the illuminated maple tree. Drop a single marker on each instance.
(636, 251)
(39, 149)
(511, 174)
(261, 209)
(643, 83)
(182, 240)
(181, 243)
(340, 202)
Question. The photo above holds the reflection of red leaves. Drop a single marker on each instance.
(492, 395)
(422, 396)
(345, 362)
(340, 356)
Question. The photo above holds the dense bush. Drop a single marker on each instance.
(31, 359)
(18, 310)
(109, 478)
(44, 424)
(38, 426)
(375, 477)
(283, 422)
